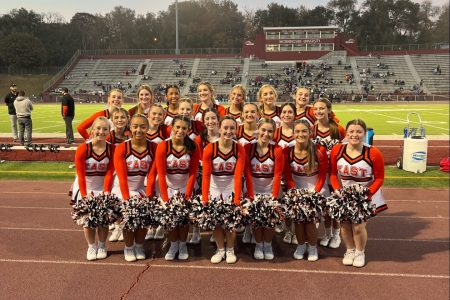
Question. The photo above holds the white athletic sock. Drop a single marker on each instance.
(359, 252)
(92, 245)
(268, 243)
(138, 245)
(101, 244)
(174, 243)
(328, 231)
(129, 248)
(336, 231)
(182, 243)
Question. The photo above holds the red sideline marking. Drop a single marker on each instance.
(250, 269)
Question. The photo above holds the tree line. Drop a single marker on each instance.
(29, 39)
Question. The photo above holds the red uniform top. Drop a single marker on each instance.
(275, 116)
(176, 170)
(244, 138)
(222, 172)
(198, 111)
(113, 139)
(159, 135)
(296, 170)
(282, 140)
(366, 169)
(325, 139)
(94, 169)
(201, 144)
(307, 115)
(237, 116)
(169, 117)
(132, 167)
(86, 124)
(263, 173)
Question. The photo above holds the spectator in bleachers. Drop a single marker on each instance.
(145, 101)
(115, 99)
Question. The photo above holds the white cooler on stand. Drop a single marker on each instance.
(415, 148)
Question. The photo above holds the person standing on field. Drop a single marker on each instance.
(68, 113)
(9, 100)
(23, 107)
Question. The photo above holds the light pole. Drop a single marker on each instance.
(366, 41)
(177, 48)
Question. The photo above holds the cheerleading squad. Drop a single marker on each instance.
(247, 167)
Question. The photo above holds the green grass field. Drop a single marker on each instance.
(385, 118)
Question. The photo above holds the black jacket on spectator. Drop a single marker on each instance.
(9, 100)
(67, 100)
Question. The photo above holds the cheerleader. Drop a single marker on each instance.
(94, 165)
(205, 93)
(223, 167)
(327, 133)
(145, 101)
(185, 109)
(355, 162)
(268, 96)
(176, 165)
(115, 99)
(284, 137)
(133, 160)
(306, 167)
(121, 121)
(263, 173)
(304, 111)
(208, 135)
(172, 97)
(248, 131)
(157, 132)
(236, 98)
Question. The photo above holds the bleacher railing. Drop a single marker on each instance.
(236, 51)
(403, 47)
(61, 72)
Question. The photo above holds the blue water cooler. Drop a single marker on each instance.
(369, 136)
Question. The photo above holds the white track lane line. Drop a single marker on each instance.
(208, 234)
(222, 268)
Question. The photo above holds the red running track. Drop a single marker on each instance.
(42, 256)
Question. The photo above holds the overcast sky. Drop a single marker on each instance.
(68, 8)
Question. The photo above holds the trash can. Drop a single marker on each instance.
(415, 147)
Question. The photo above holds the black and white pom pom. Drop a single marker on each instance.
(175, 212)
(303, 205)
(263, 211)
(96, 211)
(220, 212)
(351, 204)
(326, 143)
(138, 212)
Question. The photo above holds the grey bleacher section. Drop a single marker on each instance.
(221, 66)
(395, 64)
(425, 64)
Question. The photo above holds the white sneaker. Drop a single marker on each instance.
(120, 239)
(102, 253)
(231, 257)
(349, 257)
(240, 229)
(129, 254)
(247, 236)
(139, 252)
(294, 239)
(183, 252)
(313, 255)
(279, 228)
(212, 239)
(91, 253)
(359, 260)
(300, 251)
(173, 250)
(287, 237)
(114, 237)
(195, 238)
(259, 252)
(218, 256)
(159, 233)
(268, 252)
(150, 234)
(325, 240)
(335, 242)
